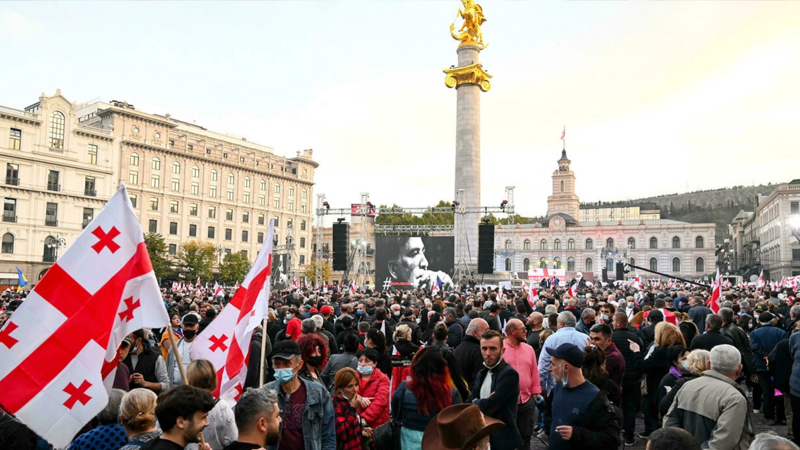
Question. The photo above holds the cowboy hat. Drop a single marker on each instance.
(458, 427)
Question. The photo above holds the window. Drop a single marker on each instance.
(509, 246)
(302, 242)
(610, 266)
(557, 263)
(631, 243)
(171, 143)
(245, 235)
(653, 264)
(176, 185)
(50, 249)
(8, 243)
(277, 188)
(135, 159)
(542, 262)
(230, 194)
(653, 242)
(526, 264)
(303, 208)
(10, 210)
(192, 230)
(276, 203)
(230, 178)
(562, 186)
(229, 214)
(245, 217)
(698, 242)
(557, 244)
(173, 206)
(195, 188)
(588, 266)
(508, 264)
(213, 175)
(153, 227)
(291, 191)
(92, 154)
(261, 219)
(676, 242)
(589, 245)
(173, 249)
(304, 194)
(212, 212)
(543, 245)
(262, 185)
(303, 259)
(676, 264)
(796, 254)
(195, 172)
(88, 215)
(52, 181)
(155, 181)
(173, 228)
(51, 215)
(260, 237)
(176, 168)
(153, 204)
(156, 164)
(246, 197)
(14, 143)
(302, 225)
(699, 265)
(211, 232)
(290, 205)
(228, 234)
(610, 243)
(262, 201)
(247, 182)
(212, 191)
(571, 244)
(12, 174)
(794, 207)
(244, 253)
(277, 221)
(133, 200)
(570, 264)
(57, 130)
(288, 223)
(133, 177)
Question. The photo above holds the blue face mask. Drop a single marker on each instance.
(365, 370)
(685, 367)
(360, 312)
(288, 316)
(284, 375)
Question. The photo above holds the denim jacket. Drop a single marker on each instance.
(319, 427)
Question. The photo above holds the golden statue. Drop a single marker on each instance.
(470, 31)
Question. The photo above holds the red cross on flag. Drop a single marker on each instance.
(53, 351)
(226, 341)
(716, 293)
(217, 289)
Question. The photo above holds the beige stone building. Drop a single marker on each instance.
(58, 174)
(619, 211)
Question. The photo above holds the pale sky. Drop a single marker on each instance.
(657, 97)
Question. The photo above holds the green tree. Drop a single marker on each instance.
(311, 271)
(234, 268)
(157, 249)
(195, 260)
(492, 219)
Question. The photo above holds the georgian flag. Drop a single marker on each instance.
(352, 287)
(325, 288)
(62, 341)
(533, 296)
(716, 293)
(636, 283)
(217, 289)
(436, 287)
(197, 283)
(573, 290)
(294, 283)
(760, 282)
(225, 342)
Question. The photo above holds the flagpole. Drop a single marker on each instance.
(263, 352)
(177, 353)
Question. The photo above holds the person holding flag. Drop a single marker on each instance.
(436, 287)
(22, 280)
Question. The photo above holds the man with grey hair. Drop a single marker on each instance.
(713, 408)
(319, 323)
(771, 441)
(468, 354)
(454, 330)
(308, 326)
(744, 308)
(258, 419)
(566, 334)
(739, 338)
(712, 337)
(588, 316)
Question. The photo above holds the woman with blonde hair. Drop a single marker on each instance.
(137, 413)
(221, 429)
(403, 352)
(693, 366)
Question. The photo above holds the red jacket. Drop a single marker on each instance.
(377, 388)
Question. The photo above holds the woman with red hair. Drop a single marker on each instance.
(429, 390)
(314, 353)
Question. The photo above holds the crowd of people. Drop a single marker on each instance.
(469, 369)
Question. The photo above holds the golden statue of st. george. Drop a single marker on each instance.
(470, 31)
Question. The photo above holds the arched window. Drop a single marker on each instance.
(571, 244)
(676, 264)
(231, 178)
(135, 159)
(176, 167)
(543, 245)
(633, 262)
(610, 243)
(654, 264)
(653, 242)
(508, 264)
(195, 172)
(589, 244)
(8, 243)
(588, 266)
(698, 242)
(508, 244)
(557, 263)
(699, 264)
(156, 164)
(676, 242)
(610, 266)
(57, 123)
(526, 264)
(557, 244)
(570, 264)
(631, 243)
(262, 185)
(542, 262)
(247, 182)
(562, 186)
(50, 247)
(526, 245)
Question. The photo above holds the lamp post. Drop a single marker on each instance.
(55, 244)
(220, 251)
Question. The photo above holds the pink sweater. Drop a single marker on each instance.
(523, 359)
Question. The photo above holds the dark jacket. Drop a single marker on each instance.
(648, 335)
(620, 338)
(601, 429)
(698, 315)
(742, 342)
(501, 404)
(710, 340)
(666, 401)
(254, 362)
(416, 332)
(780, 365)
(454, 333)
(470, 360)
(762, 341)
(654, 368)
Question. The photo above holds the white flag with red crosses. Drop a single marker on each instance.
(54, 349)
(225, 342)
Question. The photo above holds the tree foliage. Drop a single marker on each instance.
(157, 248)
(310, 271)
(233, 269)
(196, 259)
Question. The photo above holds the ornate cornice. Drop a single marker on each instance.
(103, 135)
(471, 74)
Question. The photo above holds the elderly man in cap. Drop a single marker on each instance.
(191, 326)
(577, 414)
(460, 427)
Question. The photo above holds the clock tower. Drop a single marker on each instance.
(564, 199)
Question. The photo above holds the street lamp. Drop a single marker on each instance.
(220, 251)
(55, 243)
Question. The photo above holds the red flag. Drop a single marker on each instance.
(716, 292)
(226, 341)
(532, 295)
(573, 290)
(54, 348)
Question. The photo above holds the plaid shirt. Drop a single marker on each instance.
(348, 425)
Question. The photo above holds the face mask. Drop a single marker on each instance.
(565, 378)
(284, 375)
(541, 342)
(396, 313)
(604, 318)
(189, 334)
(360, 312)
(288, 316)
(685, 367)
(314, 361)
(591, 304)
(750, 325)
(136, 347)
(365, 370)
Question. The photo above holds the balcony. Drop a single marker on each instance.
(12, 181)
(90, 192)
(55, 187)
(51, 222)
(9, 216)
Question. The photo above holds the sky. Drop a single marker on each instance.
(656, 97)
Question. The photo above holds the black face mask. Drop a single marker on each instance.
(315, 361)
(189, 334)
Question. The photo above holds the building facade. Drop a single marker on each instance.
(780, 249)
(619, 211)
